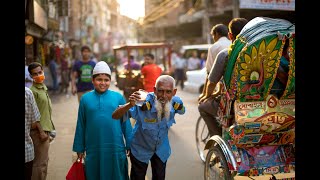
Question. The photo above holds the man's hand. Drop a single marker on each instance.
(80, 155)
(177, 103)
(43, 136)
(205, 99)
(121, 110)
(135, 96)
(201, 96)
(202, 100)
(128, 152)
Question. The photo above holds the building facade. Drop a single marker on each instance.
(186, 22)
(65, 25)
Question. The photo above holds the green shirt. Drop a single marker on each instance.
(43, 101)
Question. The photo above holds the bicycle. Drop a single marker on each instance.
(202, 137)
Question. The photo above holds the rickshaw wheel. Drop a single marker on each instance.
(202, 137)
(216, 167)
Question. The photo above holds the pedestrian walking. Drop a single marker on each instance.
(180, 65)
(193, 61)
(81, 81)
(53, 67)
(98, 137)
(203, 59)
(150, 140)
(150, 72)
(41, 148)
(31, 119)
(64, 74)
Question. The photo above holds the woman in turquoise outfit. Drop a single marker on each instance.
(104, 141)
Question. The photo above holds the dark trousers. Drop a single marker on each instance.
(28, 170)
(139, 169)
(208, 111)
(179, 76)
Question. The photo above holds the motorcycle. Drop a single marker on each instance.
(258, 123)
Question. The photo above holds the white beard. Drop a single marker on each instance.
(165, 109)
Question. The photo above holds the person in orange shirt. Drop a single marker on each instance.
(150, 72)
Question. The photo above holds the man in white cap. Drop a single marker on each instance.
(97, 134)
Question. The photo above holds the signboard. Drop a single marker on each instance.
(271, 109)
(34, 30)
(286, 5)
(28, 39)
(40, 16)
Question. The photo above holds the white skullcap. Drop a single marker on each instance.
(101, 68)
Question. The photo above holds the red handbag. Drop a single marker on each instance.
(76, 172)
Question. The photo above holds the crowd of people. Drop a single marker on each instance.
(104, 136)
(102, 110)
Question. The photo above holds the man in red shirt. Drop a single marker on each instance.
(150, 72)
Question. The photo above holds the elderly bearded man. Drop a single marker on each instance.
(150, 140)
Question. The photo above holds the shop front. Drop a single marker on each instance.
(35, 28)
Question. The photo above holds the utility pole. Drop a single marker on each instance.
(206, 22)
(235, 11)
(80, 23)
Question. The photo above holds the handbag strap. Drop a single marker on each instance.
(79, 160)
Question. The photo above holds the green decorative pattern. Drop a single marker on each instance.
(289, 92)
(262, 58)
(236, 47)
(254, 59)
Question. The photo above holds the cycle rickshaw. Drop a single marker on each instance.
(130, 80)
(258, 126)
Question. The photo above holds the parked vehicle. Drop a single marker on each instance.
(187, 49)
(196, 78)
(130, 80)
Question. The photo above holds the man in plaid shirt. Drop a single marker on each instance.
(32, 119)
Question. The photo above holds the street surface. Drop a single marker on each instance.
(184, 162)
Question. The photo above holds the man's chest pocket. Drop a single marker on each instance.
(153, 128)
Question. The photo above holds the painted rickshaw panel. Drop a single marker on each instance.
(258, 126)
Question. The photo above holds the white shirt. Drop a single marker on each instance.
(27, 77)
(193, 63)
(223, 42)
(179, 63)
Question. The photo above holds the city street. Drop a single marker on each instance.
(184, 38)
(184, 162)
